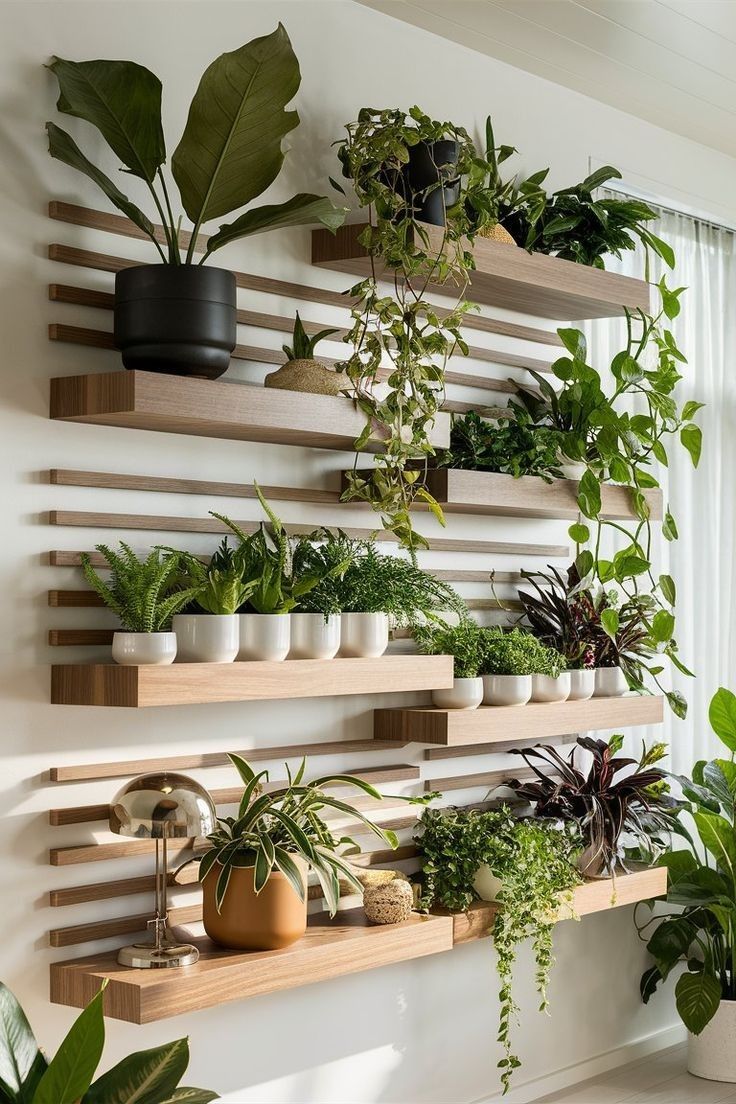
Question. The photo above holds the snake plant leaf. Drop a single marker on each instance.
(301, 210)
(72, 1068)
(123, 101)
(63, 147)
(231, 147)
(142, 1078)
(21, 1062)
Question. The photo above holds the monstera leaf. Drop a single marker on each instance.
(121, 99)
(300, 210)
(231, 147)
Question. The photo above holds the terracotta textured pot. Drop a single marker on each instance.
(268, 921)
(497, 233)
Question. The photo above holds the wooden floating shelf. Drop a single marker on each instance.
(331, 948)
(507, 277)
(212, 408)
(194, 683)
(592, 896)
(534, 721)
(478, 492)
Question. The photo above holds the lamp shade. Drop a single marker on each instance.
(162, 806)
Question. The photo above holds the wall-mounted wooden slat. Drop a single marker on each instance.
(116, 224)
(123, 925)
(88, 519)
(104, 852)
(64, 477)
(500, 747)
(505, 276)
(82, 638)
(94, 772)
(488, 780)
(68, 599)
(215, 408)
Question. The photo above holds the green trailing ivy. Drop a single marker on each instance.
(534, 862)
(464, 641)
(511, 444)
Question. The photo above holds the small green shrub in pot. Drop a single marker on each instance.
(207, 631)
(179, 316)
(302, 372)
(532, 863)
(463, 641)
(511, 660)
(315, 621)
(145, 596)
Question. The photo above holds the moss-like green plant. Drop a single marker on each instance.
(463, 641)
(374, 583)
(532, 859)
(515, 652)
(142, 593)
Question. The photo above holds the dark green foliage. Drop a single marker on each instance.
(326, 556)
(511, 444)
(376, 583)
(302, 345)
(143, 593)
(463, 641)
(515, 652)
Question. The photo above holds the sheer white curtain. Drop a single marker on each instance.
(703, 501)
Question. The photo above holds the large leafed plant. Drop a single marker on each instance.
(229, 154)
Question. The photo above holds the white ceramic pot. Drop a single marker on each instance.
(486, 884)
(313, 636)
(206, 637)
(264, 636)
(507, 689)
(465, 693)
(610, 682)
(138, 649)
(547, 689)
(363, 635)
(712, 1053)
(582, 685)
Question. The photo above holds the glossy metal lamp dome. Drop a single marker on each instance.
(161, 807)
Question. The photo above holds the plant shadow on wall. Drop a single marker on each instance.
(27, 1076)
(177, 316)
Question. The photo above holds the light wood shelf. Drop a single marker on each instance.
(507, 277)
(213, 408)
(109, 684)
(534, 721)
(478, 492)
(331, 948)
(598, 895)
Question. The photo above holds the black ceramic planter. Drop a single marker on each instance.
(430, 163)
(178, 319)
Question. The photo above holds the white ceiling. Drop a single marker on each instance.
(672, 62)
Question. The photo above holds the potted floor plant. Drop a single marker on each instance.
(254, 876)
(509, 660)
(29, 1076)
(144, 595)
(621, 806)
(208, 631)
(463, 641)
(378, 590)
(524, 864)
(177, 316)
(316, 620)
(698, 929)
(302, 372)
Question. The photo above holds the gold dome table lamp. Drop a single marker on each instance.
(161, 807)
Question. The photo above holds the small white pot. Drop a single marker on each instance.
(264, 636)
(582, 685)
(610, 682)
(313, 636)
(485, 882)
(364, 635)
(712, 1053)
(507, 689)
(138, 649)
(206, 637)
(465, 693)
(546, 689)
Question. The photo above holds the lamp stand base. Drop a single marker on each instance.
(147, 956)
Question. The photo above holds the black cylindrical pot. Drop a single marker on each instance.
(178, 319)
(430, 162)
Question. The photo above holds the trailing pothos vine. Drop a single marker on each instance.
(404, 329)
(615, 444)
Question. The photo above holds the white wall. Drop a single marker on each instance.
(420, 1031)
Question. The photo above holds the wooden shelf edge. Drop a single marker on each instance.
(596, 895)
(109, 684)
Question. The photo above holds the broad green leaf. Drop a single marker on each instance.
(720, 778)
(72, 1068)
(691, 437)
(142, 1078)
(21, 1062)
(589, 495)
(231, 147)
(190, 1096)
(585, 563)
(300, 210)
(574, 342)
(663, 626)
(63, 147)
(667, 586)
(670, 942)
(677, 704)
(579, 533)
(678, 863)
(722, 717)
(650, 979)
(669, 527)
(718, 836)
(690, 409)
(609, 622)
(123, 101)
(697, 997)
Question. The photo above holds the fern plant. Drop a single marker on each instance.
(142, 592)
(302, 345)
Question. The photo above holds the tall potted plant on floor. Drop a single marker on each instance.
(178, 316)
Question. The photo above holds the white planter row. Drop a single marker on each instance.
(207, 638)
(469, 693)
